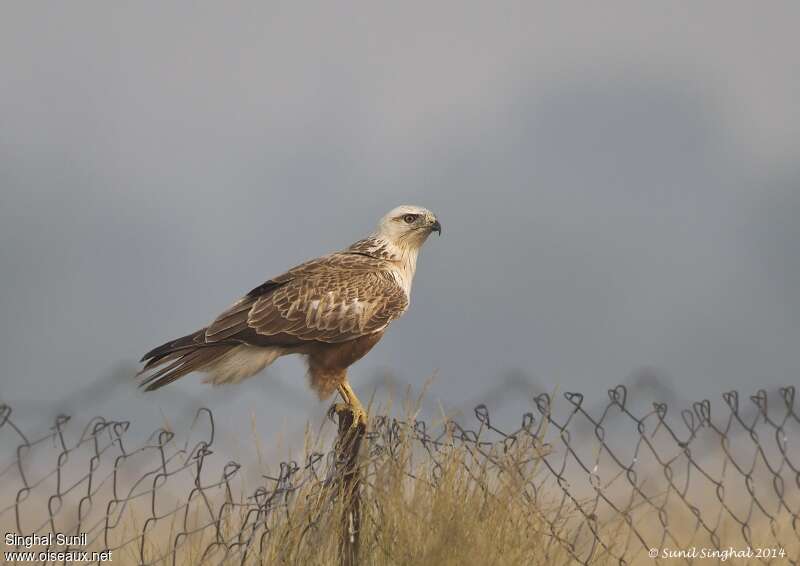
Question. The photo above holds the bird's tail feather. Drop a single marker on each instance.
(177, 358)
(188, 341)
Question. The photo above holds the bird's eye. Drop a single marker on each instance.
(409, 218)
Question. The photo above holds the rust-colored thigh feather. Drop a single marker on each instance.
(328, 363)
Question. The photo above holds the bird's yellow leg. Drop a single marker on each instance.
(351, 404)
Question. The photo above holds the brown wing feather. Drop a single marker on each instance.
(333, 299)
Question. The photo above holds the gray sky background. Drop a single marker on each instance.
(618, 184)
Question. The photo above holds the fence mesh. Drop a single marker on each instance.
(606, 484)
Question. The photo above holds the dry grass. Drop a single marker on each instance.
(447, 500)
(493, 506)
(465, 508)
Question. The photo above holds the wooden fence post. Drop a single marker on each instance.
(348, 443)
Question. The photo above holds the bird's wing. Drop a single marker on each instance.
(332, 299)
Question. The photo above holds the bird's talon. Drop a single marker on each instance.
(359, 415)
(336, 409)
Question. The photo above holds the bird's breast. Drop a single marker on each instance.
(403, 275)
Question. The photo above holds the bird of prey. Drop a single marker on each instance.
(332, 310)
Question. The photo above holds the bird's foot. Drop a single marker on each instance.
(357, 412)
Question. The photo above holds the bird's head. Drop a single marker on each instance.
(408, 226)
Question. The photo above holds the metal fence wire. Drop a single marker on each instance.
(608, 483)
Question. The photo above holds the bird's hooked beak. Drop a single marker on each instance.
(436, 227)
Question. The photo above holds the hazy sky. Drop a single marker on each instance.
(617, 182)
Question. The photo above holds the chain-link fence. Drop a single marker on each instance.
(619, 483)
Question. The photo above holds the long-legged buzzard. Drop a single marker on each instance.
(332, 310)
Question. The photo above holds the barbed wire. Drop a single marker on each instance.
(638, 482)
